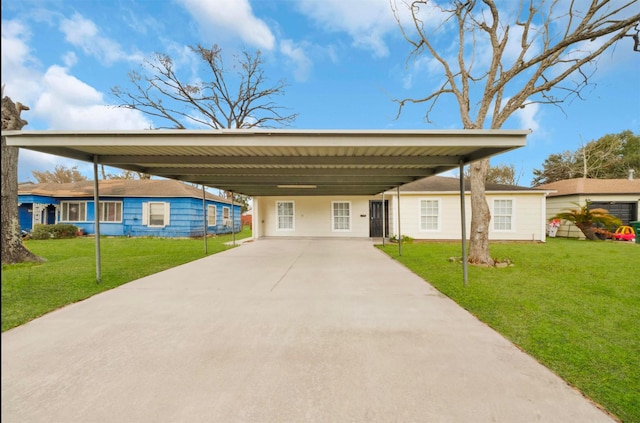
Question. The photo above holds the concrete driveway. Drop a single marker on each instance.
(300, 330)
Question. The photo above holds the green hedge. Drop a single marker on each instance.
(60, 230)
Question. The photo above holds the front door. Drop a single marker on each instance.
(376, 219)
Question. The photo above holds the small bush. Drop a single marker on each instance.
(405, 239)
(58, 231)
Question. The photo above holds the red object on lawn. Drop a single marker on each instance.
(624, 233)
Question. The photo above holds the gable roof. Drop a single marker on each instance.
(262, 162)
(119, 188)
(592, 186)
(449, 184)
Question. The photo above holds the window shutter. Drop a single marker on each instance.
(145, 213)
(167, 214)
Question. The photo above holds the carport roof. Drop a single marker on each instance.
(279, 162)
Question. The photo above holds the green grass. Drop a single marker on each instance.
(30, 290)
(573, 305)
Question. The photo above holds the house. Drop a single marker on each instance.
(429, 209)
(303, 182)
(247, 219)
(621, 197)
(162, 208)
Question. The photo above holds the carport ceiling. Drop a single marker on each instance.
(279, 162)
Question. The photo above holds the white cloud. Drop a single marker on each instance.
(20, 73)
(367, 22)
(55, 97)
(69, 59)
(224, 18)
(296, 55)
(528, 117)
(68, 103)
(83, 33)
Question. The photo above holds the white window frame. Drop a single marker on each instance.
(334, 217)
(212, 215)
(226, 216)
(496, 217)
(103, 211)
(146, 214)
(279, 217)
(423, 224)
(64, 211)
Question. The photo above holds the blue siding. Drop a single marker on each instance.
(186, 217)
(25, 209)
(25, 216)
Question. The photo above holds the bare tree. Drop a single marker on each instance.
(504, 60)
(13, 251)
(127, 174)
(232, 101)
(499, 174)
(60, 175)
(237, 101)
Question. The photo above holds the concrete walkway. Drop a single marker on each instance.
(301, 330)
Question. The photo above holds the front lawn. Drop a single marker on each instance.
(573, 305)
(30, 290)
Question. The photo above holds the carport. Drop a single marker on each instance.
(280, 162)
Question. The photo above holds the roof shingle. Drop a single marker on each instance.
(446, 184)
(119, 188)
(592, 186)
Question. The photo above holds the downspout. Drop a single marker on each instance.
(96, 212)
(204, 219)
(383, 221)
(463, 218)
(233, 221)
(399, 232)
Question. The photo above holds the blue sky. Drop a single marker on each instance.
(343, 62)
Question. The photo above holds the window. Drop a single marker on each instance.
(211, 215)
(285, 215)
(226, 216)
(341, 215)
(74, 211)
(429, 215)
(502, 215)
(155, 214)
(111, 211)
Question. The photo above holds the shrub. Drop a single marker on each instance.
(60, 230)
(405, 239)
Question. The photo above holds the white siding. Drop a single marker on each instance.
(528, 217)
(313, 216)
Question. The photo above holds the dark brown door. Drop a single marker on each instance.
(376, 220)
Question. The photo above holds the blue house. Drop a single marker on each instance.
(160, 208)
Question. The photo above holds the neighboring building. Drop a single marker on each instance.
(247, 219)
(621, 197)
(429, 209)
(162, 208)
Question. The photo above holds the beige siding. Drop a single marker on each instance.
(556, 205)
(312, 217)
(527, 219)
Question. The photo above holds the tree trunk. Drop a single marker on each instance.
(13, 251)
(480, 216)
(587, 230)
